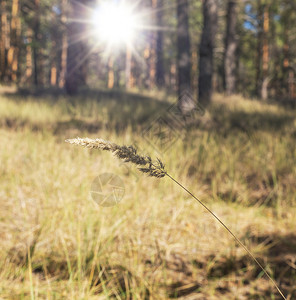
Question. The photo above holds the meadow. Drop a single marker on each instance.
(239, 158)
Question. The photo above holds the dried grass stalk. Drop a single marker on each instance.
(156, 169)
(125, 153)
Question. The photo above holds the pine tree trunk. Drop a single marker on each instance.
(230, 56)
(159, 46)
(291, 84)
(117, 71)
(150, 51)
(110, 83)
(183, 48)
(36, 29)
(153, 52)
(173, 77)
(134, 72)
(4, 42)
(265, 54)
(128, 68)
(77, 54)
(29, 62)
(194, 71)
(206, 51)
(259, 49)
(53, 67)
(63, 66)
(286, 62)
(262, 64)
(53, 54)
(13, 52)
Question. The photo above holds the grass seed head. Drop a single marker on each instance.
(125, 153)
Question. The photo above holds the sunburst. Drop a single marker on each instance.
(116, 24)
(113, 26)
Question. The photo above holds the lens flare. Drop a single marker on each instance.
(115, 24)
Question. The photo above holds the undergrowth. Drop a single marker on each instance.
(157, 243)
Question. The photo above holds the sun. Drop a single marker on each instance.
(115, 23)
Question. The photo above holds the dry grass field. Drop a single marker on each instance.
(56, 243)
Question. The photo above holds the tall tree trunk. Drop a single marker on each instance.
(13, 52)
(152, 62)
(63, 67)
(53, 54)
(29, 63)
(36, 31)
(117, 71)
(153, 53)
(147, 57)
(183, 48)
(206, 51)
(4, 41)
(110, 83)
(265, 54)
(150, 51)
(77, 55)
(230, 55)
(258, 82)
(128, 68)
(286, 48)
(159, 45)
(291, 84)
(134, 72)
(194, 70)
(287, 72)
(262, 65)
(53, 67)
(173, 77)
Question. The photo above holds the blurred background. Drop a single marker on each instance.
(247, 47)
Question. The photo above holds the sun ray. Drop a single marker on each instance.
(115, 23)
(115, 26)
(80, 63)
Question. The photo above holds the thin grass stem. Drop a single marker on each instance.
(157, 169)
(231, 233)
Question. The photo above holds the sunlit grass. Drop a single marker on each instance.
(156, 239)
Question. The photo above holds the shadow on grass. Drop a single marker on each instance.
(53, 94)
(279, 258)
(180, 289)
(93, 110)
(82, 125)
(184, 277)
(111, 280)
(227, 122)
(89, 111)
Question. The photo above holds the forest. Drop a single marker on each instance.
(196, 101)
(245, 47)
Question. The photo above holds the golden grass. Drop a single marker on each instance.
(157, 243)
